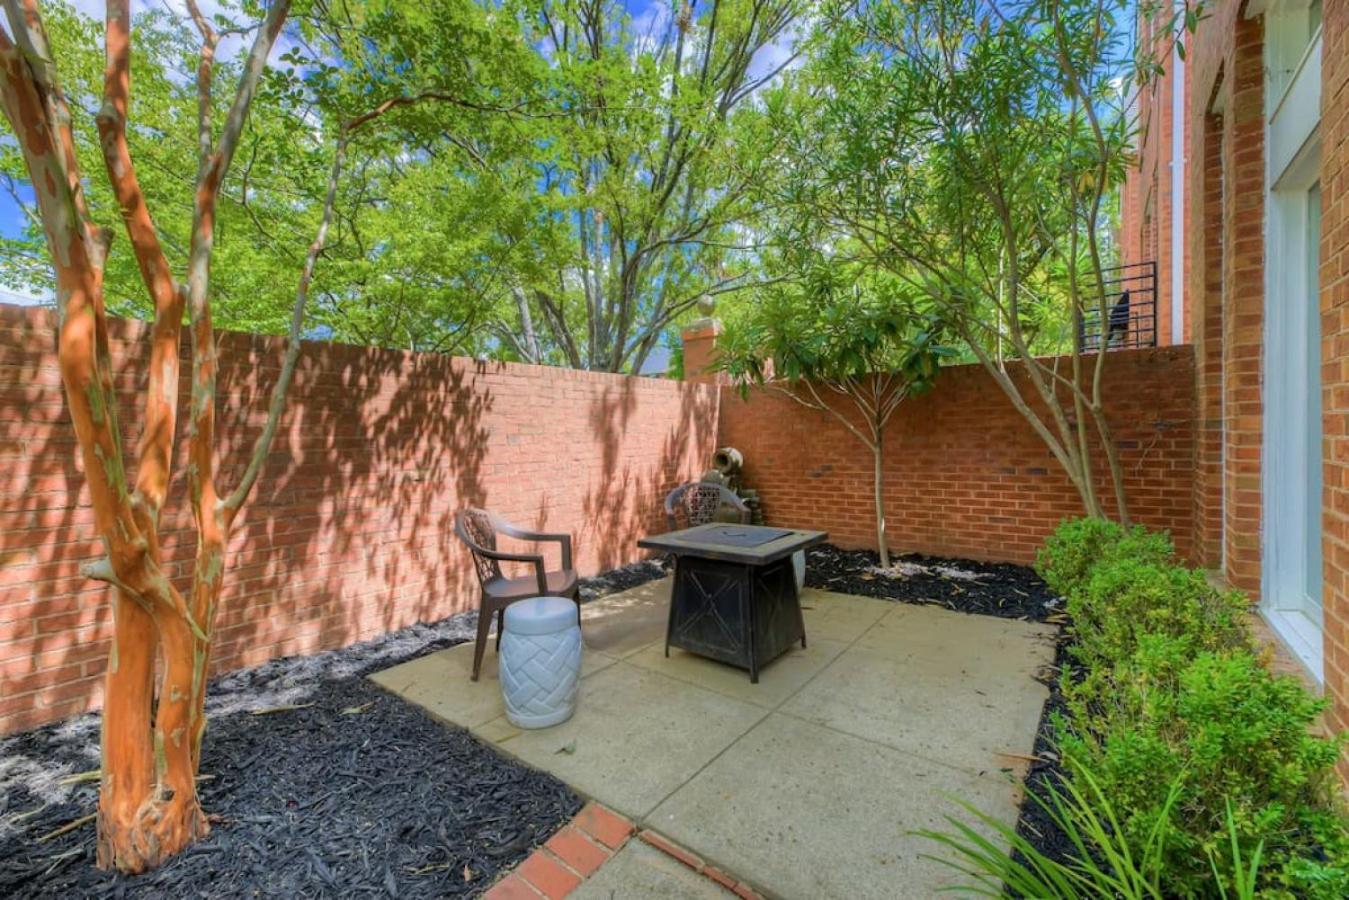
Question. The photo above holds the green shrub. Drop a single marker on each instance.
(1193, 771)
(1126, 598)
(1077, 546)
(1240, 736)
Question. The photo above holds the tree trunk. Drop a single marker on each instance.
(148, 805)
(529, 341)
(127, 747)
(878, 486)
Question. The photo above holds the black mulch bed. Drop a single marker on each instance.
(1045, 772)
(622, 579)
(998, 589)
(354, 793)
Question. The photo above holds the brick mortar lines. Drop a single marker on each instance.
(582, 847)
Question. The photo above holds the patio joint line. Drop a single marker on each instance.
(903, 609)
(768, 711)
(913, 754)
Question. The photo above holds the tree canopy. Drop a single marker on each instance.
(606, 164)
(589, 183)
(848, 340)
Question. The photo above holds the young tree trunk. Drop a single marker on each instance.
(878, 493)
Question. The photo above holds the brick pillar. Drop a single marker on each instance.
(1335, 360)
(1243, 303)
(1205, 288)
(700, 351)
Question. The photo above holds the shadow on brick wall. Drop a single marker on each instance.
(349, 533)
(376, 453)
(628, 502)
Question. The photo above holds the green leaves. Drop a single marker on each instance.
(1168, 680)
(829, 319)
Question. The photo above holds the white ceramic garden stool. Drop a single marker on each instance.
(540, 661)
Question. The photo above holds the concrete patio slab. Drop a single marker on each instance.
(639, 870)
(440, 682)
(799, 810)
(809, 784)
(977, 718)
(778, 681)
(624, 623)
(840, 617)
(636, 737)
(955, 641)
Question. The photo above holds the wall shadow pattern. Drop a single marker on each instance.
(349, 532)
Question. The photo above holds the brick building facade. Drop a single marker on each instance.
(1265, 200)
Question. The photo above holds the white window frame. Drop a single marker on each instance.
(1292, 167)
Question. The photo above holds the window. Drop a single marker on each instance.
(1291, 450)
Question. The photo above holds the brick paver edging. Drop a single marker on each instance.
(584, 844)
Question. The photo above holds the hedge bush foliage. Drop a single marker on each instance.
(1072, 553)
(1167, 694)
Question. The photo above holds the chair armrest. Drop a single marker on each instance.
(533, 559)
(556, 537)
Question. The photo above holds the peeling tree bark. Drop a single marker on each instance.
(148, 807)
(152, 732)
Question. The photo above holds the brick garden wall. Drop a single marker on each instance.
(349, 533)
(965, 474)
(1335, 357)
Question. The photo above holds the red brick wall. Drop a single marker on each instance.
(1205, 287)
(1335, 355)
(1227, 108)
(965, 474)
(1146, 201)
(349, 533)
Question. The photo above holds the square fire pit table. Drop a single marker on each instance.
(735, 598)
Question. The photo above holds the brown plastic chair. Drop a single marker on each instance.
(698, 502)
(478, 528)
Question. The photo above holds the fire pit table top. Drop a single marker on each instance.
(748, 544)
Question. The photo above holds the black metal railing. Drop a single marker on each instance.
(1130, 319)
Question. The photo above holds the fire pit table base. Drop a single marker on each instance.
(743, 615)
(735, 597)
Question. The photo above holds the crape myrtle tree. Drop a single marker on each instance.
(839, 338)
(971, 148)
(153, 718)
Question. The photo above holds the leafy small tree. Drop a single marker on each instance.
(971, 148)
(843, 340)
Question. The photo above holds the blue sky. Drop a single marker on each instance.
(11, 216)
